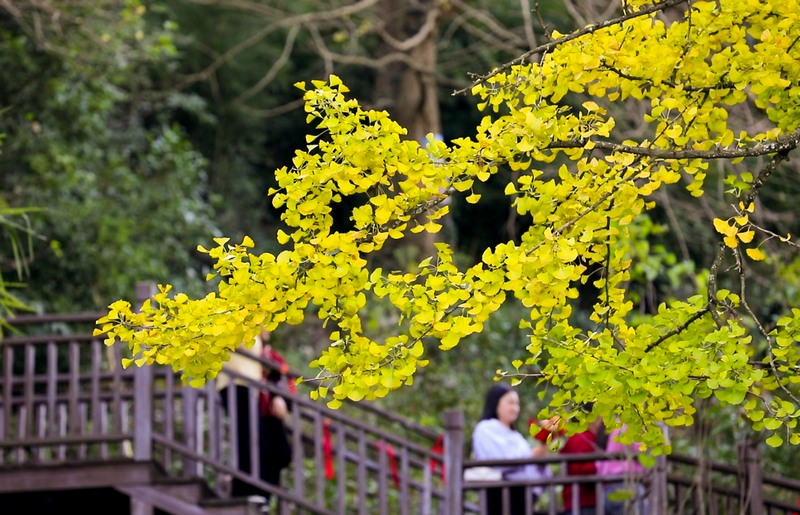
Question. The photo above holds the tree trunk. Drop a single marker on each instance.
(408, 89)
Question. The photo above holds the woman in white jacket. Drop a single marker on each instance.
(494, 437)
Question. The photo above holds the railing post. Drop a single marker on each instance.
(143, 394)
(658, 502)
(454, 460)
(658, 487)
(143, 413)
(189, 398)
(750, 457)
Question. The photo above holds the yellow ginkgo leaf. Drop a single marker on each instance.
(724, 228)
(474, 198)
(756, 254)
(746, 236)
(730, 241)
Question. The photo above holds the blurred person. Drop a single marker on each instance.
(625, 496)
(274, 452)
(494, 437)
(583, 500)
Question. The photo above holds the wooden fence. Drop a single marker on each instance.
(66, 400)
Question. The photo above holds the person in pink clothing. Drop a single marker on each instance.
(623, 497)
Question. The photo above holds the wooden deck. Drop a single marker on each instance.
(76, 429)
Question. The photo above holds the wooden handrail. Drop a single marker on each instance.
(88, 316)
(363, 405)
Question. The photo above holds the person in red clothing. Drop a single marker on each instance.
(584, 442)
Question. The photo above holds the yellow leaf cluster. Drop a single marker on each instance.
(685, 75)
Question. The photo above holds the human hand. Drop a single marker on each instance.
(551, 424)
(279, 408)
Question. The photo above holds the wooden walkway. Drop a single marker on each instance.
(71, 420)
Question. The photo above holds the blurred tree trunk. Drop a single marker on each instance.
(408, 88)
(411, 91)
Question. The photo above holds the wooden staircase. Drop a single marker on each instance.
(71, 419)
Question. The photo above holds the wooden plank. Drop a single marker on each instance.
(425, 497)
(214, 433)
(383, 470)
(116, 406)
(72, 476)
(319, 463)
(143, 414)
(21, 433)
(41, 428)
(61, 451)
(30, 365)
(341, 465)
(168, 415)
(8, 372)
(74, 386)
(201, 417)
(233, 424)
(83, 430)
(151, 496)
(362, 472)
(298, 453)
(20, 320)
(52, 386)
(71, 439)
(454, 460)
(253, 419)
(104, 429)
(96, 358)
(404, 472)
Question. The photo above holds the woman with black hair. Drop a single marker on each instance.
(495, 437)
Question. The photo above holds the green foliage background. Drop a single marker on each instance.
(126, 156)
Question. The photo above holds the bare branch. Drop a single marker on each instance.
(274, 69)
(274, 111)
(369, 62)
(491, 23)
(782, 155)
(417, 39)
(527, 21)
(575, 13)
(300, 19)
(743, 298)
(244, 5)
(491, 39)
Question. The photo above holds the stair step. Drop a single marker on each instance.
(253, 505)
(187, 490)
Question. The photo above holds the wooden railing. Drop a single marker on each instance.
(65, 399)
(677, 484)
(64, 395)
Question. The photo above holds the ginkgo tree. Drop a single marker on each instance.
(582, 183)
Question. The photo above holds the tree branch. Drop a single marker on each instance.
(274, 69)
(300, 19)
(575, 35)
(678, 330)
(417, 39)
(781, 145)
